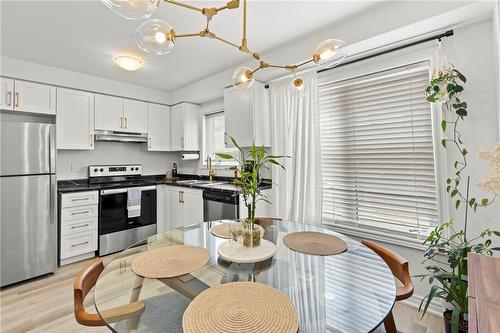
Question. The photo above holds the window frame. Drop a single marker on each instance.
(216, 164)
(401, 58)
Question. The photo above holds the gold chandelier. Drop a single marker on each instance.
(157, 37)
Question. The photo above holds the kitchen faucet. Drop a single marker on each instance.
(211, 172)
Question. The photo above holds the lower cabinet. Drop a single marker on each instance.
(78, 226)
(178, 206)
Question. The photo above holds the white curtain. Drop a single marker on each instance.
(295, 132)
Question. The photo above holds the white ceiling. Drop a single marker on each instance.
(84, 36)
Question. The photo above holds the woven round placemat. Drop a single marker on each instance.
(315, 243)
(170, 261)
(241, 307)
(221, 230)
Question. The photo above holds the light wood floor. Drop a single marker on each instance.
(46, 305)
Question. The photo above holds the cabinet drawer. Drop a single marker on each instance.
(80, 225)
(80, 212)
(83, 242)
(79, 198)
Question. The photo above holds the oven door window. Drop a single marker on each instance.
(114, 214)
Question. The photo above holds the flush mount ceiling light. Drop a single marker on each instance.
(157, 37)
(128, 63)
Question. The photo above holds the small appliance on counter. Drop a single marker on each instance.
(127, 206)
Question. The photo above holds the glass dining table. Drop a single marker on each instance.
(349, 292)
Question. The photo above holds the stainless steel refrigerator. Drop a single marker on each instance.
(28, 200)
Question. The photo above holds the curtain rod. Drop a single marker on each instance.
(397, 48)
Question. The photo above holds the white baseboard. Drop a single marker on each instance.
(435, 308)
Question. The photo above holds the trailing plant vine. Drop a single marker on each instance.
(444, 241)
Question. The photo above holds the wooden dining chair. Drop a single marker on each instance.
(400, 269)
(84, 282)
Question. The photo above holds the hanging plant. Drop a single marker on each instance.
(448, 276)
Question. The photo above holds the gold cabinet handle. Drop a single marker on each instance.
(80, 199)
(79, 244)
(149, 142)
(17, 99)
(79, 226)
(80, 212)
(179, 196)
(9, 98)
(91, 141)
(126, 122)
(182, 196)
(121, 122)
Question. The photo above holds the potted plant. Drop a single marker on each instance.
(447, 248)
(249, 165)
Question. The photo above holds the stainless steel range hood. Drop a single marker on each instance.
(115, 136)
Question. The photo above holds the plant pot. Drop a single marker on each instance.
(463, 325)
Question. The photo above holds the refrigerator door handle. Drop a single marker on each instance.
(52, 149)
(53, 199)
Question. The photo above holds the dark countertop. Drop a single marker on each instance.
(79, 185)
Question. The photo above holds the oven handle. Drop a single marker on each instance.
(124, 190)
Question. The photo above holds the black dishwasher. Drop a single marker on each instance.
(218, 205)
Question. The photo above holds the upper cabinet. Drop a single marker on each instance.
(75, 119)
(119, 114)
(247, 115)
(18, 95)
(158, 127)
(135, 114)
(185, 127)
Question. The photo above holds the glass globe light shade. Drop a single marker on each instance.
(298, 85)
(328, 50)
(243, 78)
(154, 37)
(132, 9)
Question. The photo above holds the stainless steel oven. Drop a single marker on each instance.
(127, 206)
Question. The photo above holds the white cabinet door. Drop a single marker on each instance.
(193, 205)
(135, 114)
(238, 113)
(34, 97)
(176, 212)
(177, 127)
(158, 127)
(109, 113)
(75, 119)
(191, 127)
(7, 94)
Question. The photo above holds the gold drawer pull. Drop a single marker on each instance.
(17, 99)
(81, 212)
(9, 98)
(80, 199)
(79, 226)
(79, 244)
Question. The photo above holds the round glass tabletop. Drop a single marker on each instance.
(350, 292)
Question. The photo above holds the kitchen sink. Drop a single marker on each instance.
(200, 182)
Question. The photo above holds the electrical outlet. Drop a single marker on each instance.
(75, 166)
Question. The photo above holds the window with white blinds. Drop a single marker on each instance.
(378, 152)
(214, 132)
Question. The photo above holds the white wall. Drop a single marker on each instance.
(496, 33)
(61, 77)
(73, 164)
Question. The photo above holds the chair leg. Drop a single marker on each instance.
(389, 324)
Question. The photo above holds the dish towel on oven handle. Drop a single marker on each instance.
(134, 202)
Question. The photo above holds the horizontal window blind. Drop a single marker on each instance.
(377, 151)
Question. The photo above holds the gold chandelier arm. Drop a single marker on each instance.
(197, 34)
(177, 3)
(244, 45)
(225, 41)
(305, 62)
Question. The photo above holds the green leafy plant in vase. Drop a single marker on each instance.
(249, 164)
(447, 248)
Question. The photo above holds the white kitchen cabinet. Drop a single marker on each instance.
(7, 94)
(108, 113)
(25, 96)
(78, 217)
(185, 127)
(120, 114)
(158, 127)
(185, 206)
(135, 114)
(247, 116)
(75, 119)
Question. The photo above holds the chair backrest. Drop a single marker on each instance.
(84, 282)
(267, 219)
(399, 268)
